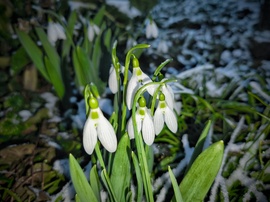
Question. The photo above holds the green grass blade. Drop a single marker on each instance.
(81, 185)
(202, 173)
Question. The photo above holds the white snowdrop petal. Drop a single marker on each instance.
(113, 84)
(148, 131)
(89, 136)
(106, 134)
(148, 31)
(154, 29)
(158, 121)
(96, 29)
(139, 122)
(169, 97)
(90, 33)
(51, 32)
(131, 90)
(171, 120)
(130, 128)
(60, 31)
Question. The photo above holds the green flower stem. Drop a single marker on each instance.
(124, 105)
(140, 146)
(99, 156)
(158, 69)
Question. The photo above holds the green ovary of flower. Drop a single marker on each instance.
(135, 62)
(93, 103)
(142, 102)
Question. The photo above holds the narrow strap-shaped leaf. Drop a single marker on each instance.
(55, 78)
(70, 27)
(202, 173)
(120, 175)
(81, 185)
(80, 76)
(199, 145)
(34, 52)
(50, 50)
(138, 177)
(177, 193)
(94, 182)
(106, 180)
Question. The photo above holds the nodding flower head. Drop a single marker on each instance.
(164, 114)
(151, 29)
(92, 30)
(138, 79)
(144, 122)
(55, 32)
(97, 126)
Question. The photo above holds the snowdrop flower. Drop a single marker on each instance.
(97, 126)
(165, 114)
(138, 79)
(92, 30)
(144, 123)
(113, 82)
(55, 31)
(162, 47)
(151, 29)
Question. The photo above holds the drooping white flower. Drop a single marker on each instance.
(164, 114)
(138, 79)
(151, 29)
(92, 30)
(162, 47)
(55, 32)
(112, 82)
(97, 126)
(144, 123)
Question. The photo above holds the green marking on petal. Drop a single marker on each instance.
(162, 104)
(142, 111)
(94, 115)
(138, 71)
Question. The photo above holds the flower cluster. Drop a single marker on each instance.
(144, 121)
(147, 124)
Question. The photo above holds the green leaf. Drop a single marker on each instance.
(138, 177)
(94, 182)
(19, 59)
(177, 193)
(50, 51)
(199, 145)
(79, 73)
(120, 175)
(98, 19)
(69, 32)
(106, 180)
(33, 52)
(81, 185)
(202, 173)
(54, 77)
